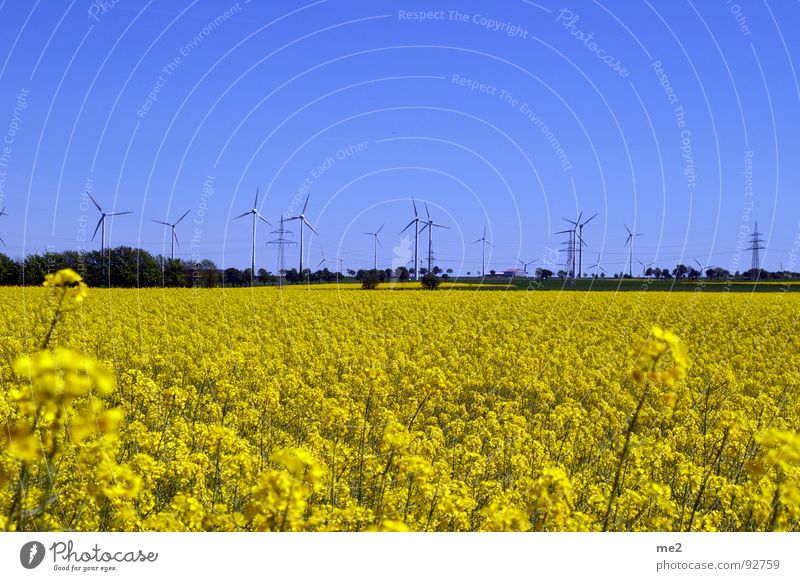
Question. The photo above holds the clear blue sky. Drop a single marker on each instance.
(509, 115)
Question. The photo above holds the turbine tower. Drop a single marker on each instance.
(483, 242)
(628, 241)
(755, 246)
(303, 222)
(415, 222)
(256, 216)
(3, 213)
(102, 222)
(430, 225)
(375, 244)
(174, 234)
(581, 243)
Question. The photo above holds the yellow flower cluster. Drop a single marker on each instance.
(317, 410)
(68, 282)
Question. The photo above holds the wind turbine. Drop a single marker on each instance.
(303, 222)
(704, 268)
(597, 267)
(525, 264)
(483, 242)
(644, 266)
(174, 234)
(3, 213)
(415, 222)
(375, 244)
(578, 242)
(629, 240)
(256, 216)
(324, 260)
(581, 243)
(102, 222)
(430, 225)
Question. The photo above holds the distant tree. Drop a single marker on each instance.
(423, 271)
(649, 272)
(657, 272)
(437, 270)
(430, 281)
(562, 273)
(175, 273)
(10, 272)
(544, 273)
(449, 271)
(492, 272)
(292, 276)
(370, 280)
(680, 271)
(232, 277)
(402, 274)
(263, 276)
(351, 272)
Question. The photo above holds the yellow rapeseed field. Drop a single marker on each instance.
(316, 410)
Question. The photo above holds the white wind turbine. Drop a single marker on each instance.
(303, 222)
(629, 240)
(325, 260)
(415, 223)
(256, 216)
(526, 264)
(597, 267)
(483, 242)
(375, 244)
(174, 234)
(102, 222)
(430, 225)
(3, 213)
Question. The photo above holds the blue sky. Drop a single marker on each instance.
(676, 118)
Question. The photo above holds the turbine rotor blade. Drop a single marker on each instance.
(310, 227)
(175, 236)
(590, 219)
(182, 217)
(242, 215)
(262, 218)
(160, 222)
(306, 204)
(94, 202)
(100, 221)
(120, 214)
(381, 228)
(407, 227)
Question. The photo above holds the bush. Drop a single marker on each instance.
(430, 281)
(370, 280)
